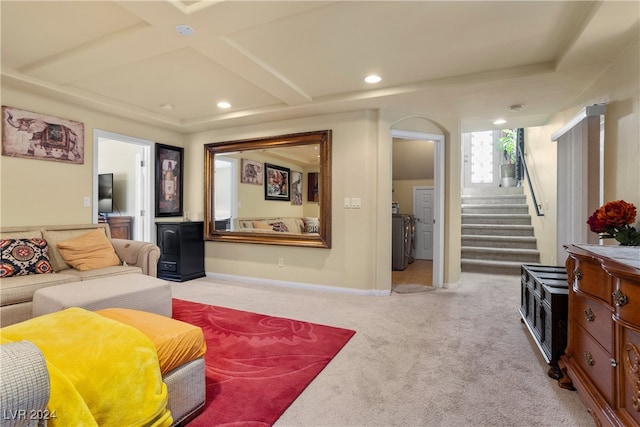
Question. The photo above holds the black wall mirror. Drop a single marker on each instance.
(274, 190)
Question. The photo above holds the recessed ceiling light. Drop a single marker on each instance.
(184, 30)
(499, 122)
(224, 104)
(167, 107)
(372, 79)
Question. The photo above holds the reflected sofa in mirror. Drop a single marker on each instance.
(257, 190)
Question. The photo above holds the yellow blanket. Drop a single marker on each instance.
(103, 373)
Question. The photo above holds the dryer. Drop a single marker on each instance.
(401, 241)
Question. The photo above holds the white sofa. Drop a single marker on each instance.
(291, 225)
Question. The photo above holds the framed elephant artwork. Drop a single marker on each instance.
(36, 136)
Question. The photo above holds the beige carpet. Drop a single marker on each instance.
(450, 357)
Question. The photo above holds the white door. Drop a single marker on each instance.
(481, 159)
(423, 210)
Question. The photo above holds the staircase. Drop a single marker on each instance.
(497, 236)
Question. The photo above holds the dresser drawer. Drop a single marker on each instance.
(626, 301)
(595, 318)
(595, 361)
(593, 280)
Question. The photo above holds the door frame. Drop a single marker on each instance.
(438, 199)
(148, 199)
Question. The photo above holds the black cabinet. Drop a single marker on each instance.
(181, 250)
(544, 300)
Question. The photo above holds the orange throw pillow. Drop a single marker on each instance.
(261, 225)
(89, 251)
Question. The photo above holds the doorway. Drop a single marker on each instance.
(129, 159)
(427, 179)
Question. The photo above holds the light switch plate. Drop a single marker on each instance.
(356, 202)
(347, 203)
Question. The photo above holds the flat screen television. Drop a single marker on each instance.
(105, 193)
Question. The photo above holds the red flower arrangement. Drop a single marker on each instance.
(613, 220)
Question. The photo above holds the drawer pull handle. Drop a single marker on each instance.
(588, 358)
(589, 315)
(577, 274)
(613, 362)
(619, 298)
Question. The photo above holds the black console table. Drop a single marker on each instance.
(543, 306)
(181, 250)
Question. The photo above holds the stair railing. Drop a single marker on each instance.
(526, 172)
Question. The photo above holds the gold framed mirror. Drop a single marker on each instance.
(273, 190)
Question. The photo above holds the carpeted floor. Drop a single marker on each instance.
(449, 357)
(256, 365)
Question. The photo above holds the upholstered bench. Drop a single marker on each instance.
(133, 291)
(181, 348)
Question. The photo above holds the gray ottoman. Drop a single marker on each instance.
(134, 291)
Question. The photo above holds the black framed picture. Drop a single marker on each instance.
(276, 182)
(169, 186)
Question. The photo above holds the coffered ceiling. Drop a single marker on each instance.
(276, 60)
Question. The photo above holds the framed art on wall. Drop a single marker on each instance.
(169, 185)
(276, 182)
(251, 172)
(296, 188)
(36, 136)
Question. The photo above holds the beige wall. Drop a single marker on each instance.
(618, 88)
(351, 260)
(360, 256)
(119, 158)
(252, 203)
(37, 192)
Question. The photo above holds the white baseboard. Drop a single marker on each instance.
(297, 285)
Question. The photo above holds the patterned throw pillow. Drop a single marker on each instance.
(312, 225)
(279, 226)
(24, 256)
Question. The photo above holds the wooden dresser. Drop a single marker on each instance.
(602, 358)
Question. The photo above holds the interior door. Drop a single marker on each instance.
(423, 211)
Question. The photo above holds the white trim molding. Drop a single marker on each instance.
(296, 285)
(593, 110)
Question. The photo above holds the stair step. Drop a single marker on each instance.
(493, 209)
(492, 190)
(505, 219)
(491, 267)
(488, 199)
(517, 242)
(524, 256)
(497, 235)
(496, 230)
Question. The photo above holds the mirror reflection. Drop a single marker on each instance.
(272, 190)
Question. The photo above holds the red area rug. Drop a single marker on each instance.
(257, 365)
